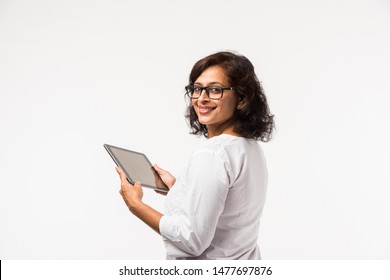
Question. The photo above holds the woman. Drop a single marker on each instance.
(213, 210)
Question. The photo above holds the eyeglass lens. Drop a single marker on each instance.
(212, 92)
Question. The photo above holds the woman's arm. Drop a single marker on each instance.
(132, 195)
(203, 191)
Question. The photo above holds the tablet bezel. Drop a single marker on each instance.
(128, 177)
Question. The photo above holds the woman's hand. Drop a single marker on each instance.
(167, 177)
(132, 194)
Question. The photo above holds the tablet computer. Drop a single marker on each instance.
(137, 167)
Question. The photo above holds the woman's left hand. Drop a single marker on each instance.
(132, 194)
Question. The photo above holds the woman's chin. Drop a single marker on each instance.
(203, 121)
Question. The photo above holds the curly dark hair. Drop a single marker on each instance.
(254, 120)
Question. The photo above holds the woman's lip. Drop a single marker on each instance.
(205, 110)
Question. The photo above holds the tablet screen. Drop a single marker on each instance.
(137, 167)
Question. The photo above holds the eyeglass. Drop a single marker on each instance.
(213, 92)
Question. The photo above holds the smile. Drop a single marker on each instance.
(205, 110)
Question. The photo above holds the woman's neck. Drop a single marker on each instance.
(215, 132)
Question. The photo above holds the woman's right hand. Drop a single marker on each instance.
(167, 177)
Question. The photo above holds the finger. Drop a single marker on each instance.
(158, 169)
(122, 174)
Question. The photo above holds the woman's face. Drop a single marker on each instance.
(213, 113)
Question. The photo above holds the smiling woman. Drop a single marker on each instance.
(212, 110)
(234, 74)
(213, 210)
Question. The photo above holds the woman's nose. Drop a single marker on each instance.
(203, 96)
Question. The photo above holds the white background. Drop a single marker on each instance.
(77, 74)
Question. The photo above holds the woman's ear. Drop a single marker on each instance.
(242, 100)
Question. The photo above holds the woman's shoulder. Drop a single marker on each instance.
(231, 152)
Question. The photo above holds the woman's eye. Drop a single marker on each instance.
(197, 89)
(215, 90)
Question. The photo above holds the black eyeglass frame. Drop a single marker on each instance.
(191, 88)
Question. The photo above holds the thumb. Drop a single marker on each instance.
(137, 184)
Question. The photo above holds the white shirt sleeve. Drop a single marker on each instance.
(205, 186)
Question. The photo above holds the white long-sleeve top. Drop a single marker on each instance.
(213, 210)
